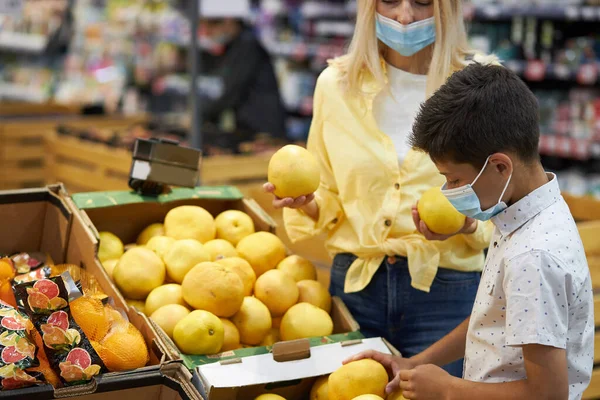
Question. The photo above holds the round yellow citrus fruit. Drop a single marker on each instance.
(160, 245)
(109, 266)
(199, 333)
(298, 268)
(304, 321)
(272, 337)
(438, 214)
(111, 246)
(233, 226)
(138, 272)
(149, 232)
(163, 295)
(315, 293)
(263, 250)
(190, 222)
(124, 350)
(220, 248)
(90, 315)
(357, 378)
(232, 336)
(277, 290)
(212, 287)
(269, 396)
(139, 305)
(244, 271)
(320, 389)
(396, 396)
(168, 316)
(253, 321)
(368, 397)
(294, 172)
(183, 256)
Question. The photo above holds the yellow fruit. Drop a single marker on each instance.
(272, 337)
(149, 232)
(277, 291)
(124, 350)
(212, 287)
(220, 248)
(183, 256)
(190, 222)
(357, 378)
(163, 295)
(320, 389)
(253, 321)
(294, 172)
(262, 250)
(139, 305)
(160, 245)
(314, 293)
(305, 321)
(244, 271)
(298, 268)
(232, 336)
(396, 396)
(368, 397)
(90, 315)
(139, 272)
(109, 266)
(168, 316)
(111, 246)
(199, 333)
(233, 226)
(438, 214)
(269, 396)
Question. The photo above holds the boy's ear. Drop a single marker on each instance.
(502, 163)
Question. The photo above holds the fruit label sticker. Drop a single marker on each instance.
(17, 352)
(68, 349)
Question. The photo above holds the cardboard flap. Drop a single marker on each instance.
(263, 369)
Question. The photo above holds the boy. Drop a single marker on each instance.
(531, 332)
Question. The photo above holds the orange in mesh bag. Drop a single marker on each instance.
(44, 367)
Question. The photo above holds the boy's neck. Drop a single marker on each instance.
(530, 179)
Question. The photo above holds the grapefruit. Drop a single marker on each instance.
(277, 291)
(304, 321)
(149, 232)
(314, 293)
(253, 321)
(220, 248)
(124, 349)
(139, 305)
(110, 246)
(163, 295)
(233, 226)
(183, 256)
(168, 316)
(160, 245)
(272, 337)
(190, 222)
(358, 378)
(263, 250)
(109, 266)
(438, 213)
(396, 396)
(298, 268)
(269, 396)
(138, 272)
(199, 333)
(368, 397)
(294, 172)
(232, 336)
(244, 271)
(212, 287)
(320, 389)
(90, 315)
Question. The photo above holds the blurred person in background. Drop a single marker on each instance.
(399, 280)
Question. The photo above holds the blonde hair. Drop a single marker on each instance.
(450, 49)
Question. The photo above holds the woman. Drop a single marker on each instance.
(401, 282)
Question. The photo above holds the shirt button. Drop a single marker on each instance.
(335, 221)
(388, 222)
(397, 186)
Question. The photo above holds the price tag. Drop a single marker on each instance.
(11, 7)
(588, 74)
(535, 71)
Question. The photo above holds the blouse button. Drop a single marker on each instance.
(397, 186)
(388, 222)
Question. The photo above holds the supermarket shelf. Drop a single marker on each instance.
(568, 147)
(302, 51)
(555, 12)
(23, 93)
(23, 42)
(538, 71)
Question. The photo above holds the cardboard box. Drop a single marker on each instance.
(45, 220)
(252, 376)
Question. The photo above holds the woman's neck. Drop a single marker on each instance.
(415, 64)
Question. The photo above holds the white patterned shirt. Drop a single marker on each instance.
(535, 289)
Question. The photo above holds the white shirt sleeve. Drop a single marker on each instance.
(537, 293)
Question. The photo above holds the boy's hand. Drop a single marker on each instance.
(426, 382)
(469, 227)
(392, 364)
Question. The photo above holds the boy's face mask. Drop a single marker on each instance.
(465, 200)
(405, 39)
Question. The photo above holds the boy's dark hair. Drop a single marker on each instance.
(481, 110)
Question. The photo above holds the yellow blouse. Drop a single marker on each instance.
(365, 197)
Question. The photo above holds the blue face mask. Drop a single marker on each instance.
(465, 200)
(405, 39)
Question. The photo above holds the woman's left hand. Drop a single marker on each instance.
(468, 228)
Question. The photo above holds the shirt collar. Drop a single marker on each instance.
(528, 207)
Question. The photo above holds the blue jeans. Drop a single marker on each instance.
(410, 319)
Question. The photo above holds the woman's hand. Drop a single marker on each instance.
(468, 228)
(392, 364)
(288, 202)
